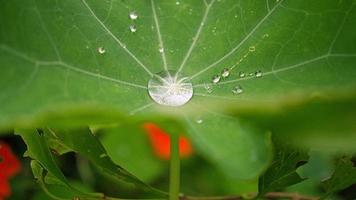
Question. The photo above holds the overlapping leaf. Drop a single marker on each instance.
(49, 59)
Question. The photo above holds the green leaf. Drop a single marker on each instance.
(282, 173)
(321, 122)
(240, 150)
(343, 177)
(129, 147)
(319, 166)
(82, 141)
(37, 149)
(49, 53)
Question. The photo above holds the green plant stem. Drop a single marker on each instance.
(174, 181)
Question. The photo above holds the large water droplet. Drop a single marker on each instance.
(237, 90)
(216, 79)
(225, 73)
(133, 28)
(133, 15)
(101, 50)
(166, 89)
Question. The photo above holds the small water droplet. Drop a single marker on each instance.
(199, 120)
(242, 74)
(251, 74)
(216, 79)
(225, 73)
(161, 49)
(133, 28)
(103, 155)
(133, 15)
(177, 3)
(208, 88)
(101, 50)
(258, 74)
(252, 48)
(237, 90)
(265, 35)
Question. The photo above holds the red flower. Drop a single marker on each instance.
(160, 142)
(9, 166)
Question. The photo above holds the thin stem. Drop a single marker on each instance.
(270, 195)
(174, 181)
(293, 196)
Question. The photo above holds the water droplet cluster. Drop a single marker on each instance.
(226, 72)
(133, 16)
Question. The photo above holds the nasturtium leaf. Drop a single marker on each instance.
(343, 177)
(319, 166)
(71, 53)
(83, 142)
(240, 150)
(38, 150)
(323, 123)
(55, 189)
(129, 146)
(282, 173)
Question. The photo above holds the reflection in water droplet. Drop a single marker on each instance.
(225, 73)
(101, 50)
(237, 90)
(242, 74)
(258, 74)
(167, 90)
(252, 48)
(133, 15)
(216, 79)
(133, 28)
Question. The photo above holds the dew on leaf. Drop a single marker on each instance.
(177, 3)
(265, 35)
(161, 49)
(242, 74)
(237, 90)
(252, 48)
(101, 50)
(208, 88)
(133, 28)
(170, 90)
(216, 79)
(133, 15)
(199, 120)
(258, 74)
(225, 73)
